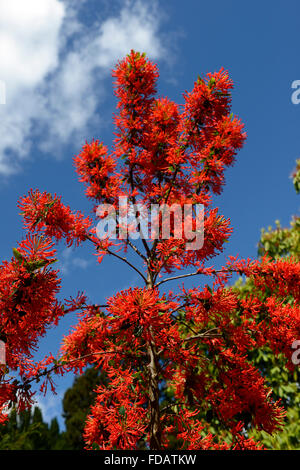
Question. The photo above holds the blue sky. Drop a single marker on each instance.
(55, 60)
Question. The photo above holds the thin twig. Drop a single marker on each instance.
(179, 319)
(165, 202)
(122, 258)
(176, 277)
(134, 202)
(83, 307)
(67, 363)
(183, 323)
(165, 408)
(206, 334)
(136, 249)
(214, 272)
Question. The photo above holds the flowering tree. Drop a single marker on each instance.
(172, 359)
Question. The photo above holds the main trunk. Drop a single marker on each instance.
(153, 380)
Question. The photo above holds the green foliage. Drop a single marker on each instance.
(76, 405)
(28, 431)
(296, 177)
(281, 242)
(31, 266)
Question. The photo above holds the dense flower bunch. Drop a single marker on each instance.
(97, 170)
(44, 213)
(28, 305)
(175, 362)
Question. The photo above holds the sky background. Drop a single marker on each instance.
(56, 58)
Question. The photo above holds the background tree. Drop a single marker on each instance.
(28, 431)
(77, 402)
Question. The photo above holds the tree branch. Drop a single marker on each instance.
(214, 272)
(176, 277)
(127, 262)
(206, 334)
(65, 363)
(128, 242)
(122, 258)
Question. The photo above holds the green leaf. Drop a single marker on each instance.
(34, 265)
(19, 257)
(212, 82)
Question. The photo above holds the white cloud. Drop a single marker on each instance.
(54, 66)
(68, 262)
(50, 405)
(29, 32)
(29, 47)
(135, 28)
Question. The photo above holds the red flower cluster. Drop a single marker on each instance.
(97, 171)
(28, 305)
(117, 419)
(44, 213)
